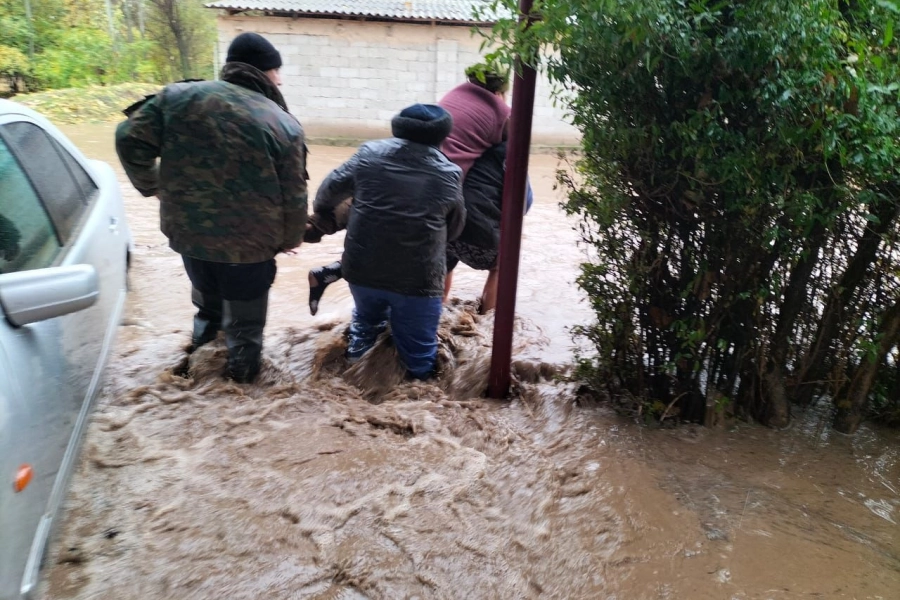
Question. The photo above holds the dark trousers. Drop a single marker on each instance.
(234, 298)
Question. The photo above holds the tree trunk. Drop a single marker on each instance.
(109, 22)
(795, 294)
(776, 402)
(30, 19)
(777, 407)
(170, 14)
(815, 365)
(185, 56)
(176, 23)
(129, 20)
(852, 409)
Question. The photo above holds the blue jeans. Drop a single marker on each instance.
(414, 323)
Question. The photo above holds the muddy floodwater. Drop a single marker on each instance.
(323, 481)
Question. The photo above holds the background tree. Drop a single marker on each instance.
(185, 34)
(88, 42)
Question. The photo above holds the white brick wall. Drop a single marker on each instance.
(349, 78)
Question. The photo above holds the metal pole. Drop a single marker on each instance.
(511, 219)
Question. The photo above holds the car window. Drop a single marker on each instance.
(82, 179)
(37, 153)
(27, 238)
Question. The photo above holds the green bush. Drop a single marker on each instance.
(738, 181)
(78, 57)
(12, 62)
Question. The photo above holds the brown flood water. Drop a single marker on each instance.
(322, 481)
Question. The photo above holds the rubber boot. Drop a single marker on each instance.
(207, 321)
(361, 339)
(243, 323)
(319, 279)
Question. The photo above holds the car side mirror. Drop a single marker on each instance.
(32, 296)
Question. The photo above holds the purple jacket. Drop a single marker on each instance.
(479, 120)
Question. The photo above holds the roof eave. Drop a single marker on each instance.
(357, 17)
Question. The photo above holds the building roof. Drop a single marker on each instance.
(459, 11)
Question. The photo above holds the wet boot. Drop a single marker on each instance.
(361, 339)
(243, 323)
(207, 321)
(319, 279)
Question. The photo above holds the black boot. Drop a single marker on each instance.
(319, 279)
(243, 323)
(207, 321)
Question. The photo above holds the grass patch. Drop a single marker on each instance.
(97, 104)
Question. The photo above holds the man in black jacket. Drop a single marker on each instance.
(477, 246)
(407, 204)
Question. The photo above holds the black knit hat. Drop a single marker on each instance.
(423, 123)
(253, 49)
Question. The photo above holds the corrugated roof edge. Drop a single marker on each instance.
(348, 13)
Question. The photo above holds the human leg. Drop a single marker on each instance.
(482, 258)
(208, 320)
(448, 284)
(319, 225)
(243, 323)
(489, 294)
(414, 325)
(452, 261)
(245, 291)
(205, 296)
(370, 314)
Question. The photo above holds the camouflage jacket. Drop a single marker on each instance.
(231, 169)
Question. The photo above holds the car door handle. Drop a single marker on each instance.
(114, 224)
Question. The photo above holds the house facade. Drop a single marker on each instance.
(350, 66)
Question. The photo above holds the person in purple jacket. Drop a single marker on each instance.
(480, 115)
(480, 122)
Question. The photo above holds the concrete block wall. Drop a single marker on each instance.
(348, 78)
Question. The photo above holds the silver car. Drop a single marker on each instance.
(64, 251)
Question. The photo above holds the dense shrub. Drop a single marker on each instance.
(738, 181)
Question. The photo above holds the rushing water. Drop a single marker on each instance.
(324, 481)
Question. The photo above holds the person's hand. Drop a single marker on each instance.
(312, 234)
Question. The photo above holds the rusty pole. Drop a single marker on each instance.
(511, 219)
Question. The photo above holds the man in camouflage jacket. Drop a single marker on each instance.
(228, 163)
